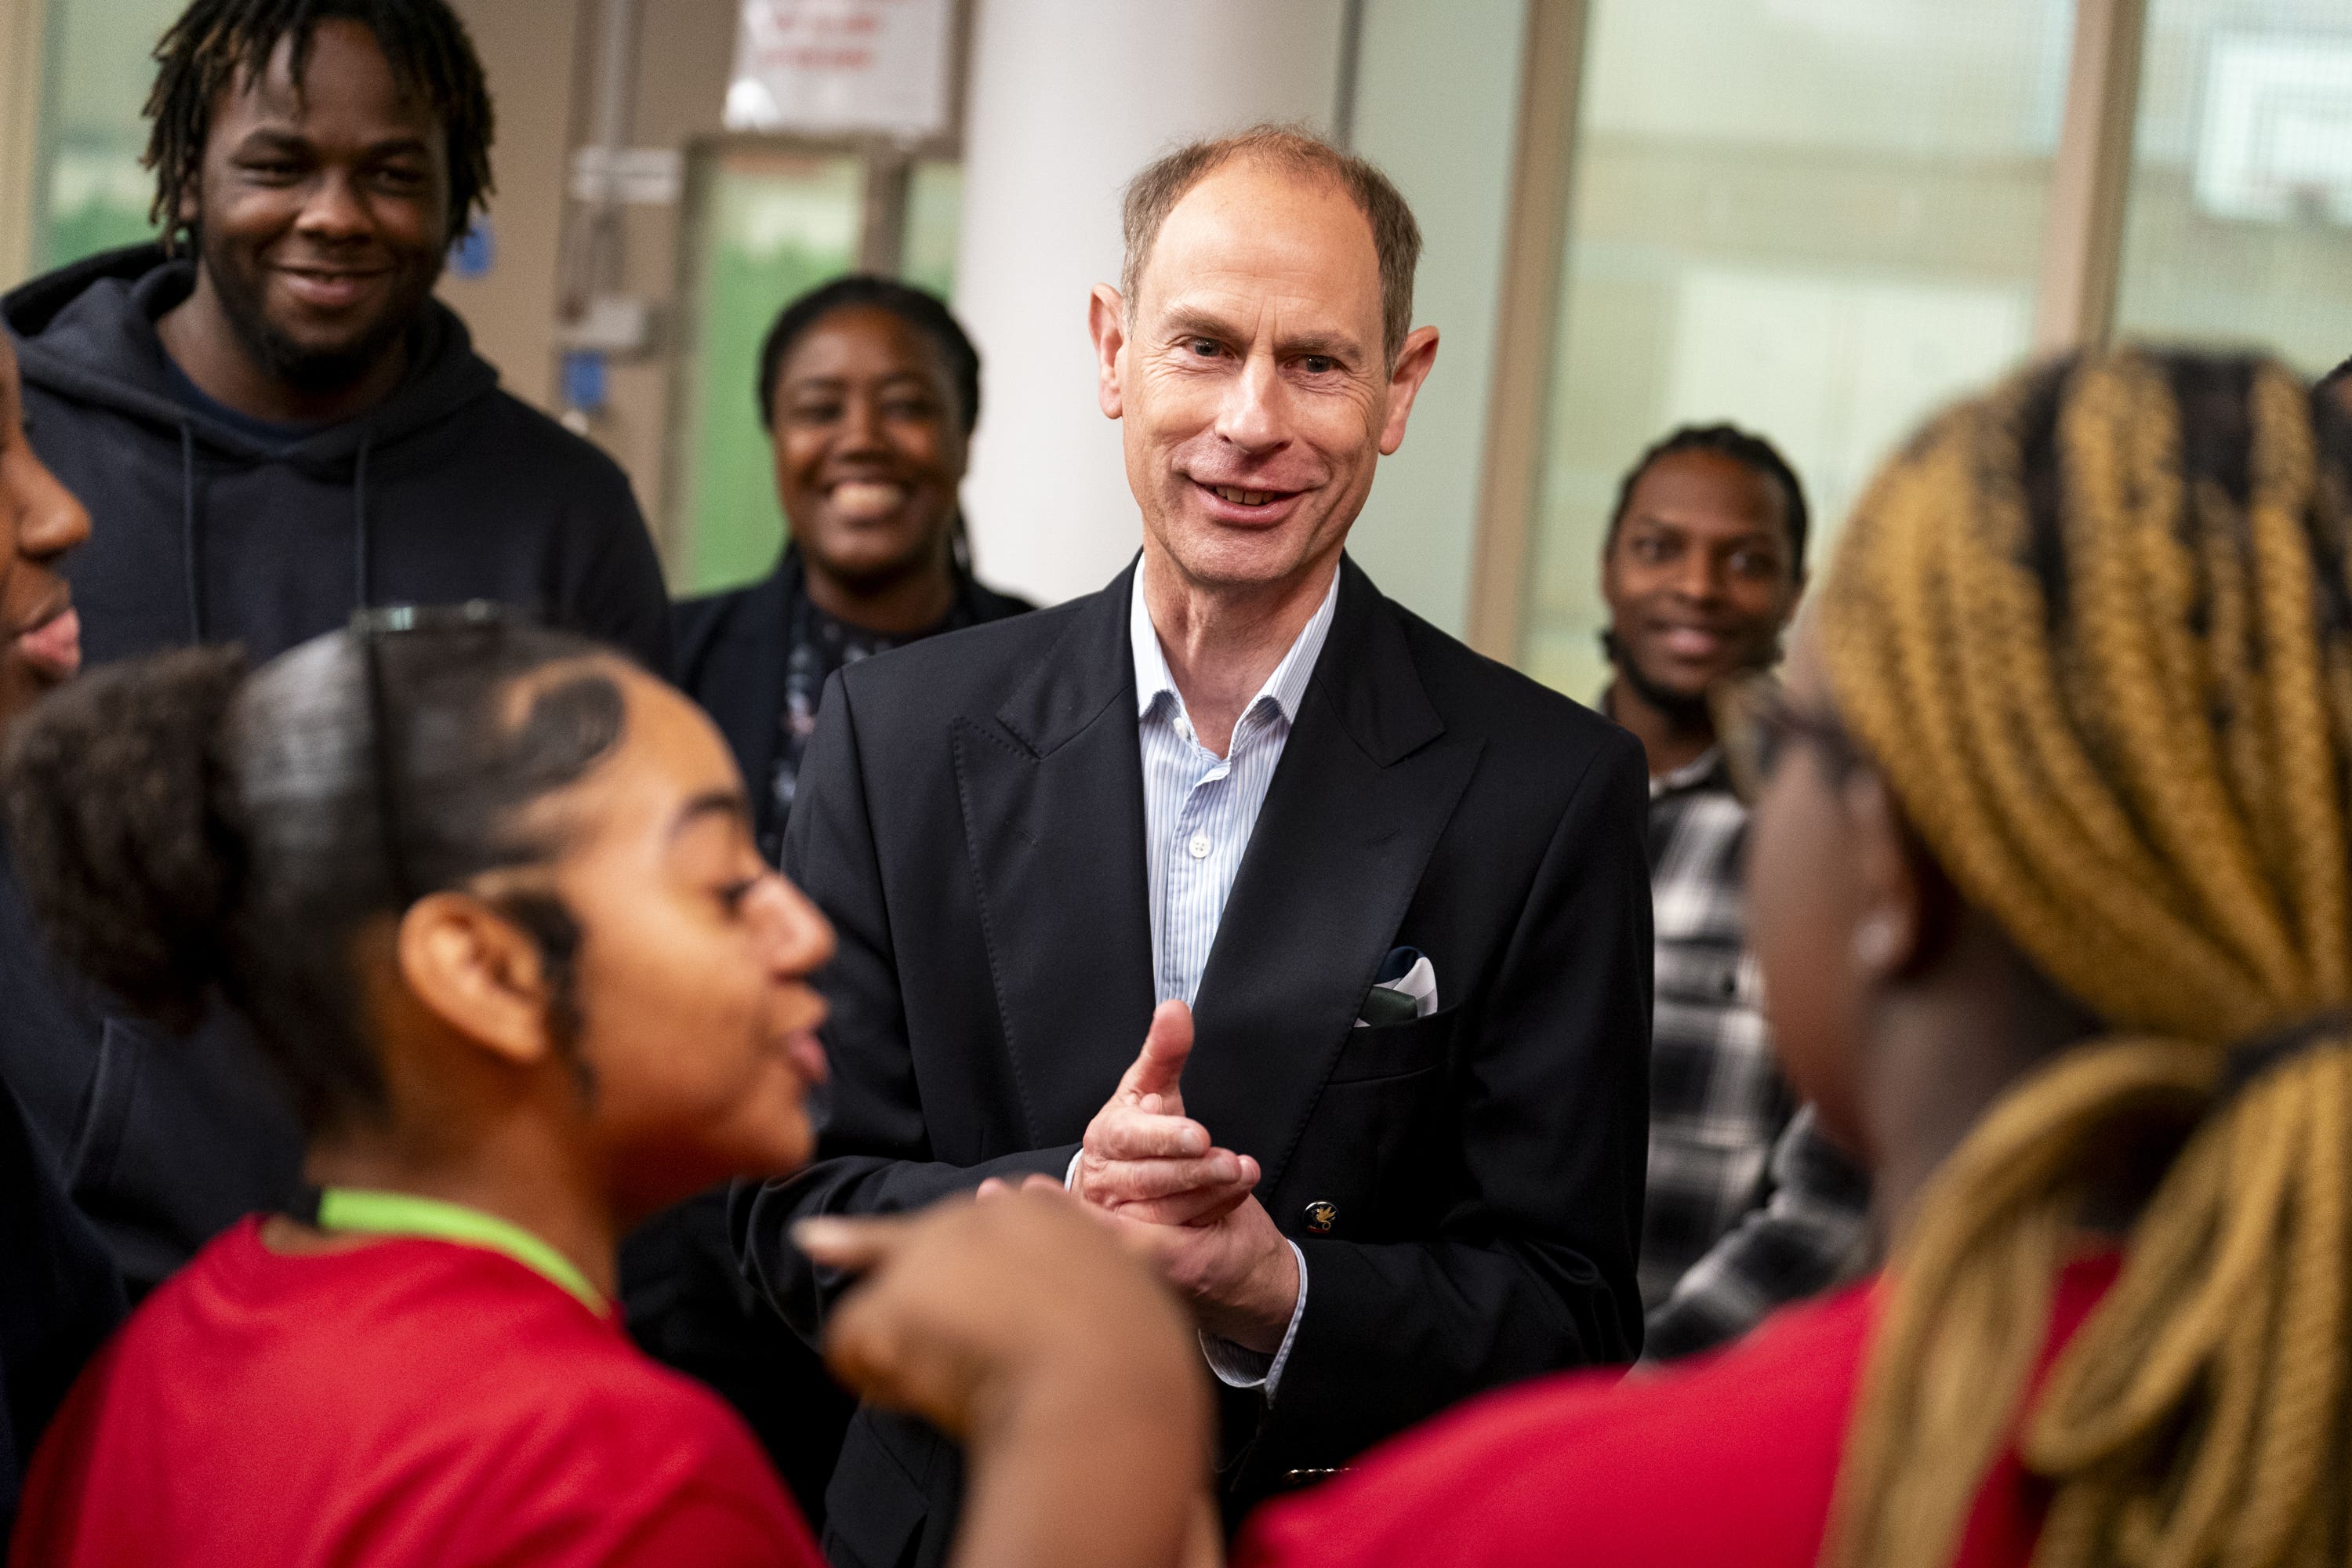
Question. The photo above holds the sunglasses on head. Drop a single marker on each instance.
(372, 628)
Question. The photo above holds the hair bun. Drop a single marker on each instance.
(112, 794)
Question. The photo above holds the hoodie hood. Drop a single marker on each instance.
(204, 530)
(87, 332)
(86, 335)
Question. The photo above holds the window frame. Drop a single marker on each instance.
(885, 185)
(2075, 300)
(23, 56)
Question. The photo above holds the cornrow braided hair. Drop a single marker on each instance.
(2096, 632)
(1751, 451)
(218, 46)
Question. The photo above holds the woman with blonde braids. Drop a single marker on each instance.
(2050, 890)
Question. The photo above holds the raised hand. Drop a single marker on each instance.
(1143, 1158)
(961, 1302)
(1154, 1175)
(1016, 1324)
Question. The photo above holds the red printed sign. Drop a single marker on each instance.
(835, 65)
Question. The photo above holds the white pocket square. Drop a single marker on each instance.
(1407, 978)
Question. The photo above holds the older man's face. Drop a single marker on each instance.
(1250, 376)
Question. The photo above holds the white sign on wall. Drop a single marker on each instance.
(641, 177)
(831, 67)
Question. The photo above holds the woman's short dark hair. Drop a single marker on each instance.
(186, 830)
(918, 308)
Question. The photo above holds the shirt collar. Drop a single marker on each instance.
(1700, 772)
(1286, 687)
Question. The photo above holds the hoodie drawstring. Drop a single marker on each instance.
(188, 531)
(360, 529)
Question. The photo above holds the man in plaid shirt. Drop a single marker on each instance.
(1749, 1206)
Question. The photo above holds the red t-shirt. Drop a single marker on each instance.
(405, 1402)
(1729, 1459)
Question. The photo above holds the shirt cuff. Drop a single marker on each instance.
(1237, 1366)
(1070, 1176)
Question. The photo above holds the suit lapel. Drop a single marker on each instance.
(1052, 793)
(1366, 782)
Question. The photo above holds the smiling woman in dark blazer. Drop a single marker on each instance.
(869, 391)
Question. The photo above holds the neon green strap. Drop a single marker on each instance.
(364, 1211)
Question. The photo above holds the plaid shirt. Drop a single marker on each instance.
(1748, 1208)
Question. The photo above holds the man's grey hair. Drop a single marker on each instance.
(1152, 195)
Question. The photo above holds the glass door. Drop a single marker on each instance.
(1814, 219)
(765, 226)
(90, 193)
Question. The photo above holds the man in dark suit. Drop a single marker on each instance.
(1397, 1157)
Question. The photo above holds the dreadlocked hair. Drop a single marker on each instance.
(2096, 630)
(218, 45)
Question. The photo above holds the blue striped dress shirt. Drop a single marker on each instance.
(1199, 810)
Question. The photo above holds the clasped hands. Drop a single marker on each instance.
(1011, 1323)
(1156, 1177)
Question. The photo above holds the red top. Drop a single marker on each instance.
(405, 1402)
(1727, 1459)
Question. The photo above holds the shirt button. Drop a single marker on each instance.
(1199, 846)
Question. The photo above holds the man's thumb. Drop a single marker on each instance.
(1160, 1066)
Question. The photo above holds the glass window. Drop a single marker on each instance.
(934, 212)
(767, 225)
(2239, 223)
(1815, 219)
(90, 193)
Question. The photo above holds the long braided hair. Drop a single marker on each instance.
(2096, 630)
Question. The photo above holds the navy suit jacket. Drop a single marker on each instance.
(971, 816)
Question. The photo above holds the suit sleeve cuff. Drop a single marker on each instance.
(1237, 1366)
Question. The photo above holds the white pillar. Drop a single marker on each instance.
(1069, 98)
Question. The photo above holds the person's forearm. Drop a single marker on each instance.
(1264, 1305)
(1100, 1468)
(760, 1214)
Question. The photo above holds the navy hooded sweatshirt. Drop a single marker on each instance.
(61, 1292)
(61, 1298)
(161, 1141)
(449, 490)
(203, 530)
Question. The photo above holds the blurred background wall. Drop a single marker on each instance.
(1820, 218)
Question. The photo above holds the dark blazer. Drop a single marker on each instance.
(971, 818)
(728, 652)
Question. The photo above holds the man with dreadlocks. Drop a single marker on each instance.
(273, 415)
(2054, 909)
(1748, 1207)
(274, 422)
